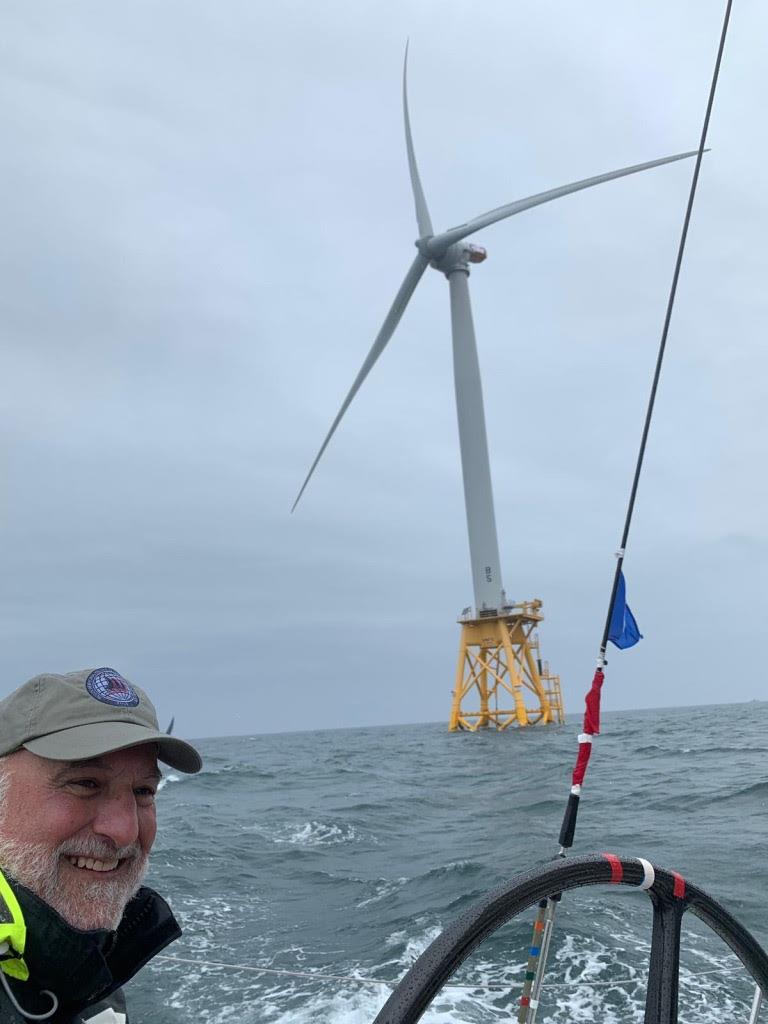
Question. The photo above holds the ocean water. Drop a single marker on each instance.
(346, 852)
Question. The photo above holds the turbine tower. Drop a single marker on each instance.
(498, 651)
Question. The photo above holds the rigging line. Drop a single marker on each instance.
(313, 975)
(592, 716)
(665, 330)
(497, 987)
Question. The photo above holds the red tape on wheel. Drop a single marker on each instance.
(678, 889)
(617, 871)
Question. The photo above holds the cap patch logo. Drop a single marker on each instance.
(109, 687)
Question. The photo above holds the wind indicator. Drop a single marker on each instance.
(498, 653)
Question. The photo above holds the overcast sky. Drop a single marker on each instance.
(206, 214)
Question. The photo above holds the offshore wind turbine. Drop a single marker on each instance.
(512, 667)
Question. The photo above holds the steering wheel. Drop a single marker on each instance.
(670, 895)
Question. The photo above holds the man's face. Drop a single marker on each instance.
(78, 833)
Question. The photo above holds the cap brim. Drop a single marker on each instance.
(84, 741)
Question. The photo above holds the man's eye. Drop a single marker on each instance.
(85, 783)
(146, 791)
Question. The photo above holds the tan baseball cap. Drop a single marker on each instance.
(84, 714)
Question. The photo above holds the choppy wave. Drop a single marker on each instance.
(170, 777)
(229, 774)
(310, 833)
(346, 853)
(382, 888)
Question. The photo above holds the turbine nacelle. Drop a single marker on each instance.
(434, 247)
(457, 257)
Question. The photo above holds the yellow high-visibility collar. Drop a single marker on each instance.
(13, 933)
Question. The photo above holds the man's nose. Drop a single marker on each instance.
(117, 819)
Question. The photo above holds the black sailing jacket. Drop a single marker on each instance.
(85, 969)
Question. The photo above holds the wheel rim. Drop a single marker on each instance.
(671, 897)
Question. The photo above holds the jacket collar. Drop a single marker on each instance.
(83, 966)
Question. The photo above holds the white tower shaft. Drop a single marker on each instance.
(478, 492)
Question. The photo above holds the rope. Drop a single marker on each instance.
(497, 987)
(665, 330)
(313, 975)
(592, 717)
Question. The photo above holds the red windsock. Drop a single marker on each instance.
(591, 728)
(582, 760)
(592, 713)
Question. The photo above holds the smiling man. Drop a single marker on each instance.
(78, 777)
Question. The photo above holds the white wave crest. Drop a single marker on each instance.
(170, 777)
(309, 833)
(385, 887)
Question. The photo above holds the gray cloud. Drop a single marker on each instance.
(206, 214)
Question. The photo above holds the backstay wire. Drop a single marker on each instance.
(544, 923)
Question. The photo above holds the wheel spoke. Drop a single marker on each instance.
(664, 964)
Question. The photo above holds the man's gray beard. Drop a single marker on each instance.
(87, 904)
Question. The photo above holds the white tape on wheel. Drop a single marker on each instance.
(649, 875)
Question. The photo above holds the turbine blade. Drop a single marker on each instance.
(440, 242)
(422, 213)
(391, 321)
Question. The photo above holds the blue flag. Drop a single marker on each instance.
(623, 631)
